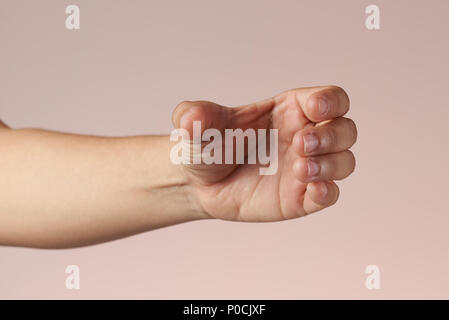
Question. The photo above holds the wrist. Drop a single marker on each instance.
(168, 184)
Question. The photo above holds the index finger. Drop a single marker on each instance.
(323, 103)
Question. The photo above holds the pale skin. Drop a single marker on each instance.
(62, 190)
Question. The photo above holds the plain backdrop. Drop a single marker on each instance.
(131, 62)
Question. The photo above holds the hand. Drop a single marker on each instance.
(314, 139)
(82, 190)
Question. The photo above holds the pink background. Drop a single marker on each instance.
(133, 61)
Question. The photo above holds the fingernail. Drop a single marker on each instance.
(310, 142)
(323, 189)
(323, 106)
(313, 167)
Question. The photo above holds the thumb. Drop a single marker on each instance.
(211, 116)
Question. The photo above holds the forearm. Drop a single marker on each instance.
(63, 190)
